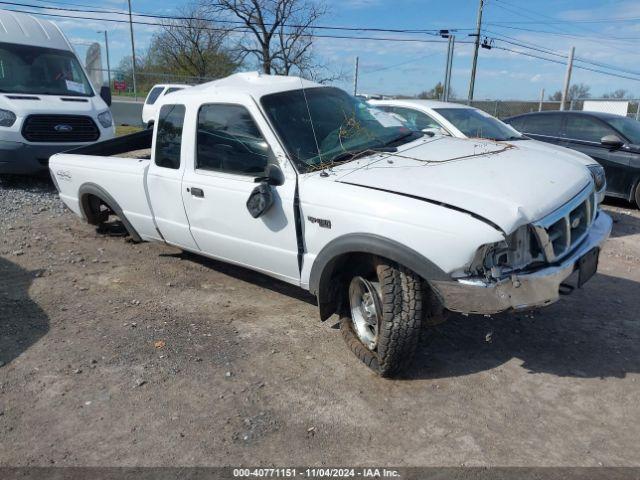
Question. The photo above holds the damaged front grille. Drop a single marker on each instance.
(559, 232)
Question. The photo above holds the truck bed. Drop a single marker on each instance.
(118, 167)
(135, 145)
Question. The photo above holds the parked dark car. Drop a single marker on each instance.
(611, 140)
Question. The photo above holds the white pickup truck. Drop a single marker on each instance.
(387, 227)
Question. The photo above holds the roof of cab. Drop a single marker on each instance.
(250, 83)
(23, 29)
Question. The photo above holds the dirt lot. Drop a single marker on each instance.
(121, 354)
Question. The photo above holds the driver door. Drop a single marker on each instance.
(230, 153)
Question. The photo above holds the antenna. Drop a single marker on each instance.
(315, 138)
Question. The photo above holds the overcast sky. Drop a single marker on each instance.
(408, 68)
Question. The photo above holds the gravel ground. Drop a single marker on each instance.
(114, 353)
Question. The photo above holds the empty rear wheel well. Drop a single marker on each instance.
(95, 209)
(96, 205)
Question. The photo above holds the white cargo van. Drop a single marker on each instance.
(47, 104)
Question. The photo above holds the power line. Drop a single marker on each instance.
(519, 52)
(539, 48)
(560, 32)
(600, 41)
(376, 70)
(548, 20)
(314, 35)
(58, 2)
(91, 9)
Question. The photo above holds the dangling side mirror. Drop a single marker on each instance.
(272, 176)
(261, 198)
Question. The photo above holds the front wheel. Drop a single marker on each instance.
(637, 195)
(381, 323)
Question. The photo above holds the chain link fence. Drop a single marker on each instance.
(144, 80)
(508, 108)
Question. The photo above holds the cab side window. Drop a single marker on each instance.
(229, 141)
(580, 127)
(169, 136)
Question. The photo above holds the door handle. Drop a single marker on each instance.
(196, 192)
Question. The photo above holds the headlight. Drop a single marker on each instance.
(7, 118)
(599, 178)
(516, 252)
(105, 119)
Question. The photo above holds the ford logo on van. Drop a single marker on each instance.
(63, 128)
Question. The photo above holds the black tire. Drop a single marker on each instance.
(401, 301)
(637, 195)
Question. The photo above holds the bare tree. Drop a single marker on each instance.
(192, 45)
(616, 94)
(435, 92)
(579, 90)
(576, 91)
(280, 31)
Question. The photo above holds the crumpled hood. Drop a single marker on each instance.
(507, 185)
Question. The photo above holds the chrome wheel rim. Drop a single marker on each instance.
(365, 310)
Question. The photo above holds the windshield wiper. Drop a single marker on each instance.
(401, 137)
(355, 154)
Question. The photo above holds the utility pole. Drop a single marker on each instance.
(446, 72)
(567, 78)
(541, 100)
(355, 79)
(447, 76)
(106, 47)
(133, 54)
(476, 47)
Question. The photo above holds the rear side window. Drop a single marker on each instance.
(548, 125)
(153, 95)
(230, 141)
(172, 89)
(169, 136)
(580, 127)
(416, 120)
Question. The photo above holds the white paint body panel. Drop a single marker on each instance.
(429, 196)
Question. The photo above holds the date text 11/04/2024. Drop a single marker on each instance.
(316, 472)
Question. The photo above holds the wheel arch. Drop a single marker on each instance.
(345, 249)
(89, 190)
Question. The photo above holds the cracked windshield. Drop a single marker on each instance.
(320, 126)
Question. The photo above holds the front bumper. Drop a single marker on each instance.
(520, 291)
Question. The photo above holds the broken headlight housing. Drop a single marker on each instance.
(517, 251)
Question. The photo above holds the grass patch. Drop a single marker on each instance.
(126, 130)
